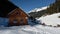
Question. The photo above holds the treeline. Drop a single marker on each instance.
(53, 8)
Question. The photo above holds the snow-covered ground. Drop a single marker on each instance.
(52, 19)
(37, 29)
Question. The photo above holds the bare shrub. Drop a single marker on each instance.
(43, 24)
(58, 25)
(54, 26)
(50, 25)
(58, 16)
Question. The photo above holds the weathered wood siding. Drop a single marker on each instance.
(18, 15)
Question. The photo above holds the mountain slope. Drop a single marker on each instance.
(52, 8)
(53, 19)
(38, 9)
(38, 12)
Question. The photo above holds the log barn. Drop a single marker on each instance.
(15, 14)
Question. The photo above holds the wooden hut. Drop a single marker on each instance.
(15, 15)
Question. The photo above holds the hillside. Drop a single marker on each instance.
(38, 12)
(54, 8)
(51, 9)
(53, 19)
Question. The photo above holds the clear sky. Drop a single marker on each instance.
(28, 5)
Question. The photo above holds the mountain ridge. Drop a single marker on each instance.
(38, 9)
(38, 12)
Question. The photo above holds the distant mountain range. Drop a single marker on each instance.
(38, 12)
(51, 9)
(38, 9)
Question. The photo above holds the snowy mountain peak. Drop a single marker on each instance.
(39, 9)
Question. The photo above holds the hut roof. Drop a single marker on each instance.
(6, 7)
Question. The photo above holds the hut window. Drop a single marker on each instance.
(15, 21)
(17, 13)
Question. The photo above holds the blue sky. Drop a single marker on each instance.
(28, 5)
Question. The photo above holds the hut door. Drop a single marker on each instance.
(21, 21)
(15, 21)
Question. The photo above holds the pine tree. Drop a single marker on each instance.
(54, 8)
